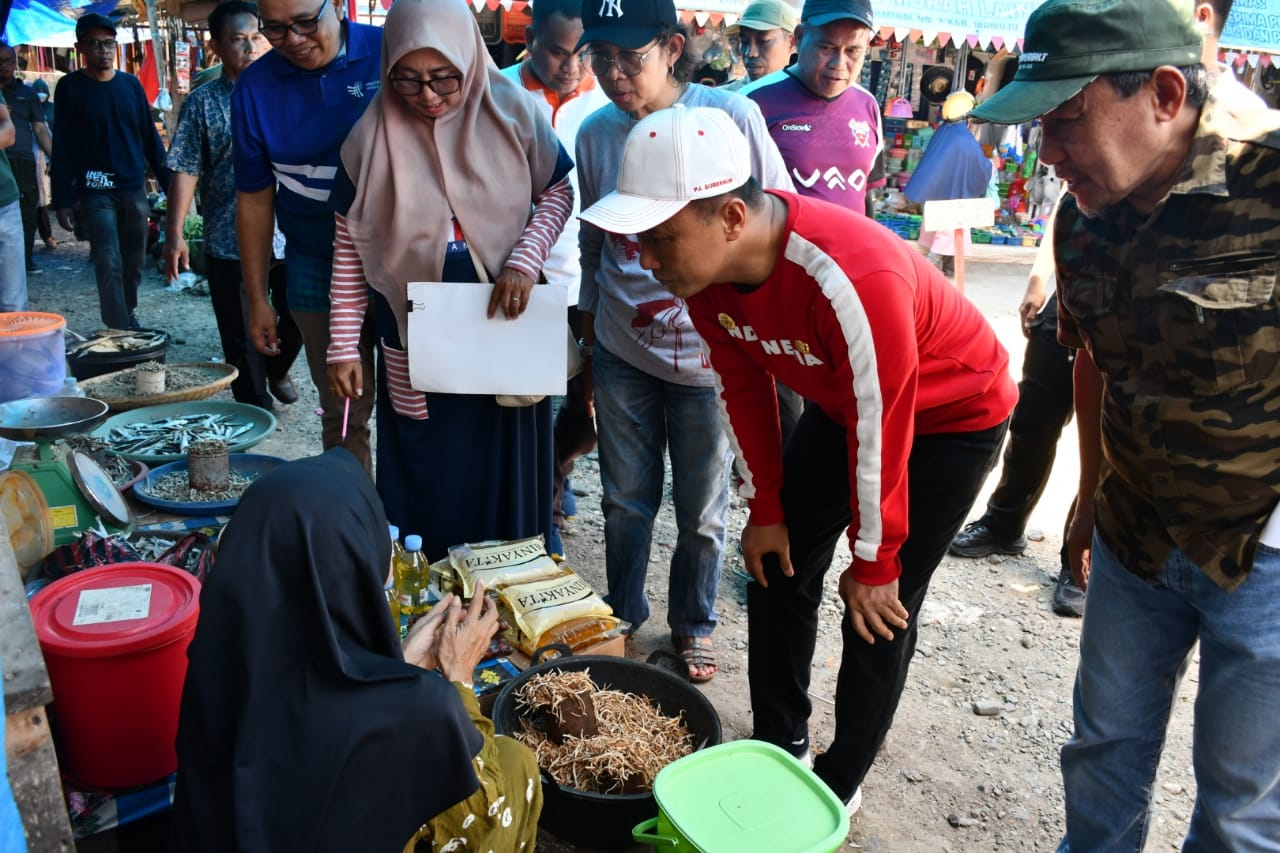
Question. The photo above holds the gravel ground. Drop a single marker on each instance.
(948, 779)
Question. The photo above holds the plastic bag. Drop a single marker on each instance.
(87, 552)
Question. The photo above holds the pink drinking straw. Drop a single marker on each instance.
(346, 410)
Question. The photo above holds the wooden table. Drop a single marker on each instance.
(33, 765)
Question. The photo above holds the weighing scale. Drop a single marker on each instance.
(76, 488)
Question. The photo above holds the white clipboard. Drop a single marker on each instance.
(455, 349)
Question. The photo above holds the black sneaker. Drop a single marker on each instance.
(977, 540)
(1068, 599)
(32, 269)
(134, 323)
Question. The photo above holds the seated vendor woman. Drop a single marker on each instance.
(305, 725)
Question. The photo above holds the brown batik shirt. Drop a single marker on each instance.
(1180, 312)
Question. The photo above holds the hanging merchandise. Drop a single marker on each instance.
(163, 100)
(181, 66)
(935, 83)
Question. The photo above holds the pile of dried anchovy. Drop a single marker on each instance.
(173, 435)
(175, 379)
(634, 741)
(116, 340)
(176, 487)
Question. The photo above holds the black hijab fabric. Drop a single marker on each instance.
(302, 728)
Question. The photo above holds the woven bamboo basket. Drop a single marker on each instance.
(220, 376)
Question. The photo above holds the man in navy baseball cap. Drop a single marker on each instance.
(86, 24)
(818, 13)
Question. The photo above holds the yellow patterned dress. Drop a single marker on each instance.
(502, 815)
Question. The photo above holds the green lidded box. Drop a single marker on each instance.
(746, 796)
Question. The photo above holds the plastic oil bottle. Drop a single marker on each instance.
(411, 579)
(393, 595)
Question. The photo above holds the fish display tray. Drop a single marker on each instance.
(245, 464)
(218, 375)
(261, 424)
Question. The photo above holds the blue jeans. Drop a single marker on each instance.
(1134, 646)
(117, 225)
(13, 265)
(637, 415)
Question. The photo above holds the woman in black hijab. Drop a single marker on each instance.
(303, 728)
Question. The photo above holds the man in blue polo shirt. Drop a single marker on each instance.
(290, 113)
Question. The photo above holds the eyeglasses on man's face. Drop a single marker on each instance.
(411, 87)
(629, 62)
(99, 44)
(303, 27)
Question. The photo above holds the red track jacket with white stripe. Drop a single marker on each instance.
(857, 322)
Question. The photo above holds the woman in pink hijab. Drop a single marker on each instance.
(451, 168)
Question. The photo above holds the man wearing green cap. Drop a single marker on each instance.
(765, 39)
(1167, 269)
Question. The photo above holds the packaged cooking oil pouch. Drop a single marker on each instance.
(501, 564)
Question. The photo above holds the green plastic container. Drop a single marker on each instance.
(743, 797)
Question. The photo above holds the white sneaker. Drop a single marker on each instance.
(855, 803)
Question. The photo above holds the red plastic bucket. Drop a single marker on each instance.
(115, 642)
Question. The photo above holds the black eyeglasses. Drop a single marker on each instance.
(629, 62)
(411, 87)
(99, 44)
(304, 27)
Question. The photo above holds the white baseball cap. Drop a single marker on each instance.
(670, 158)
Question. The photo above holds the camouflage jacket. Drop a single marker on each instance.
(1180, 311)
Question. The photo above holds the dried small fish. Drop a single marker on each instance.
(167, 436)
(117, 340)
(177, 487)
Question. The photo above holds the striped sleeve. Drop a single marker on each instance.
(550, 213)
(348, 297)
(348, 302)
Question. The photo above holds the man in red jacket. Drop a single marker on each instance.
(911, 396)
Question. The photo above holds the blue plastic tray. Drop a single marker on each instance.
(240, 463)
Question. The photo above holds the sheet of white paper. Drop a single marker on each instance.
(455, 349)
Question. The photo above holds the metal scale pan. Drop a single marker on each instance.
(60, 475)
(47, 418)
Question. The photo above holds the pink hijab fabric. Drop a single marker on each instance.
(484, 162)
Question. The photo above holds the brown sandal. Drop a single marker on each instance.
(697, 653)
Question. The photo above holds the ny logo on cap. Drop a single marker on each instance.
(611, 8)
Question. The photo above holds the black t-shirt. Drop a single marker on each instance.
(25, 109)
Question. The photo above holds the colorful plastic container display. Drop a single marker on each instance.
(33, 360)
(115, 642)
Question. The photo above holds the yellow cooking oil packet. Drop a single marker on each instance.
(500, 564)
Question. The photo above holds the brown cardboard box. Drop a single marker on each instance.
(615, 646)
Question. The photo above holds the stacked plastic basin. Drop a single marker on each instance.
(905, 225)
(33, 360)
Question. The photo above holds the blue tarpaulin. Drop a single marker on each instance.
(49, 22)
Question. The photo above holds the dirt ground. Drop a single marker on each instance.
(948, 779)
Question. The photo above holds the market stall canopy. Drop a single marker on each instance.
(986, 22)
(51, 23)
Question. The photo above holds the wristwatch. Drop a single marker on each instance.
(587, 350)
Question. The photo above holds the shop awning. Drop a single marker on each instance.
(980, 22)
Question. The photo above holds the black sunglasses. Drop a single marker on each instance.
(304, 27)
